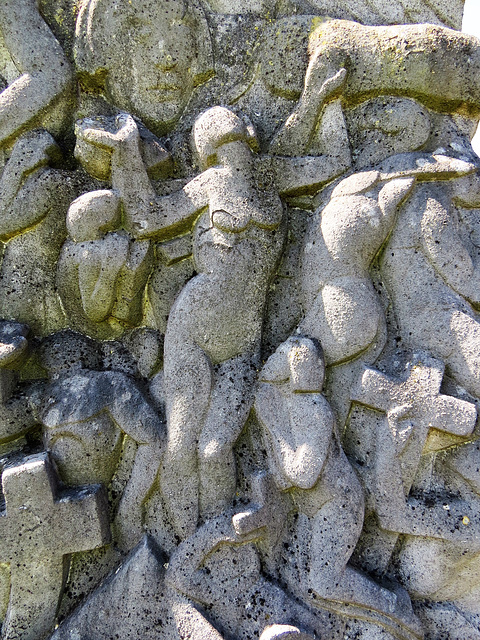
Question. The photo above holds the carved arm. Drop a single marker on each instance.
(296, 136)
(46, 72)
(146, 214)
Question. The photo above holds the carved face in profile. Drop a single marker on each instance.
(155, 52)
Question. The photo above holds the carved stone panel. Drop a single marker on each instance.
(239, 320)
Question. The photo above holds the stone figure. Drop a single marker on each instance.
(343, 310)
(237, 239)
(34, 199)
(211, 359)
(214, 328)
(408, 419)
(85, 433)
(412, 406)
(429, 267)
(102, 273)
(306, 458)
(42, 94)
(85, 413)
(147, 57)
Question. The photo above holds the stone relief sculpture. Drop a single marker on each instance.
(239, 380)
(455, 322)
(307, 458)
(167, 46)
(236, 241)
(54, 526)
(41, 95)
(33, 222)
(101, 276)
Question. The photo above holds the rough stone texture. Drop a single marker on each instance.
(38, 529)
(239, 330)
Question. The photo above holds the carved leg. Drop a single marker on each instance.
(129, 518)
(188, 381)
(230, 404)
(335, 528)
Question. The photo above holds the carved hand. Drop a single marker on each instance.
(127, 133)
(315, 75)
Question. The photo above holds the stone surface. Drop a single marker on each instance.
(39, 528)
(129, 603)
(239, 311)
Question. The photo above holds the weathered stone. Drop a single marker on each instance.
(412, 406)
(39, 528)
(131, 601)
(13, 350)
(326, 494)
(239, 288)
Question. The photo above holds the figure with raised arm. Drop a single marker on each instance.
(213, 334)
(212, 342)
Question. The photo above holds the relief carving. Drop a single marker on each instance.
(239, 379)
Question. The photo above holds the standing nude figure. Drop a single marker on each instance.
(214, 329)
(212, 342)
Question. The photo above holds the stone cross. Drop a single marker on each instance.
(41, 526)
(413, 405)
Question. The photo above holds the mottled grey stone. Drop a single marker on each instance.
(39, 528)
(130, 603)
(239, 288)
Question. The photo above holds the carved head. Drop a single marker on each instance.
(146, 56)
(218, 126)
(93, 214)
(67, 351)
